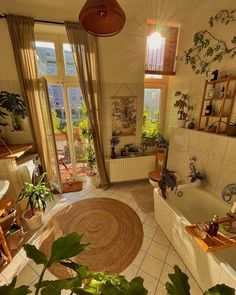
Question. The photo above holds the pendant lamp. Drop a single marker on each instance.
(102, 18)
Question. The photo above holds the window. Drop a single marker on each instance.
(161, 49)
(55, 62)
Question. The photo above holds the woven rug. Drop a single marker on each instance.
(112, 227)
(144, 199)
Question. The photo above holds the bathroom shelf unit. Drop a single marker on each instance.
(211, 244)
(224, 104)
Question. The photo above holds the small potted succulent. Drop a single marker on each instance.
(36, 195)
(114, 142)
(183, 106)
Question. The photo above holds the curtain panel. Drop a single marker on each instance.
(85, 52)
(21, 31)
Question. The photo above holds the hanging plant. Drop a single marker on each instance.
(207, 48)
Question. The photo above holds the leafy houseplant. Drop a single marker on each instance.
(85, 282)
(207, 48)
(167, 181)
(183, 106)
(13, 104)
(36, 196)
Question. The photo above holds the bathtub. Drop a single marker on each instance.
(174, 213)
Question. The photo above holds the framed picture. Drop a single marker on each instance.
(123, 115)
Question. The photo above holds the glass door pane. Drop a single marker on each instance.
(79, 122)
(59, 118)
(53, 168)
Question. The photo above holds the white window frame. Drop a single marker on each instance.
(66, 81)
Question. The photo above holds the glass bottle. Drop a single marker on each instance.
(213, 226)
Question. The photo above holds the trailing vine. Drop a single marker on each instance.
(207, 48)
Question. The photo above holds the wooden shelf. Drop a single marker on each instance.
(211, 244)
(217, 99)
(222, 108)
(221, 80)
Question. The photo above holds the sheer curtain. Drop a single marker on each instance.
(21, 31)
(85, 51)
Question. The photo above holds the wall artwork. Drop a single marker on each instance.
(123, 115)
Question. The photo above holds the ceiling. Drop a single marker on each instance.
(169, 10)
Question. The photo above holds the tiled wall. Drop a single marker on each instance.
(216, 156)
(194, 88)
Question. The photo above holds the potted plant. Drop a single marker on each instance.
(36, 195)
(91, 174)
(150, 136)
(15, 105)
(7, 217)
(183, 106)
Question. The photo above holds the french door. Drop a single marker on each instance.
(65, 105)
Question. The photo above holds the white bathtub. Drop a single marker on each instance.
(174, 213)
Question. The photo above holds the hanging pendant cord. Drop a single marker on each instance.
(2, 16)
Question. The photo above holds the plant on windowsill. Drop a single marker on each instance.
(150, 136)
(36, 196)
(85, 282)
(12, 103)
(183, 106)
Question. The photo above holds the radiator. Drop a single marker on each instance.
(126, 169)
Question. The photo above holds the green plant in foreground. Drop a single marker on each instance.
(85, 282)
(179, 285)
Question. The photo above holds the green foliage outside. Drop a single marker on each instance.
(85, 282)
(55, 123)
(150, 126)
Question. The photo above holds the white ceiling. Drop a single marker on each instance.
(168, 10)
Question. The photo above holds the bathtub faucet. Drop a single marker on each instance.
(228, 192)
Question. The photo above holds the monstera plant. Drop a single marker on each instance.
(208, 48)
(12, 103)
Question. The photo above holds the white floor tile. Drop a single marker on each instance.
(139, 258)
(167, 269)
(174, 259)
(161, 238)
(26, 277)
(161, 290)
(146, 244)
(158, 250)
(149, 231)
(152, 266)
(149, 282)
(130, 272)
(151, 221)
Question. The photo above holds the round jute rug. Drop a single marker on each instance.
(112, 227)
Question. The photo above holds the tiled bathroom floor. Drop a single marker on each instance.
(154, 261)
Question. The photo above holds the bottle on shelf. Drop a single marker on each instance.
(222, 92)
(208, 110)
(213, 226)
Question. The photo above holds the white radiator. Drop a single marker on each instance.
(126, 169)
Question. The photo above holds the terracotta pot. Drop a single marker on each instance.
(33, 222)
(91, 180)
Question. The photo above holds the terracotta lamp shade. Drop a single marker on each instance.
(102, 18)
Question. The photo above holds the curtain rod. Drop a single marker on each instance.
(37, 20)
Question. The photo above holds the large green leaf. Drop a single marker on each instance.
(50, 290)
(11, 290)
(220, 290)
(66, 247)
(35, 254)
(136, 287)
(179, 285)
